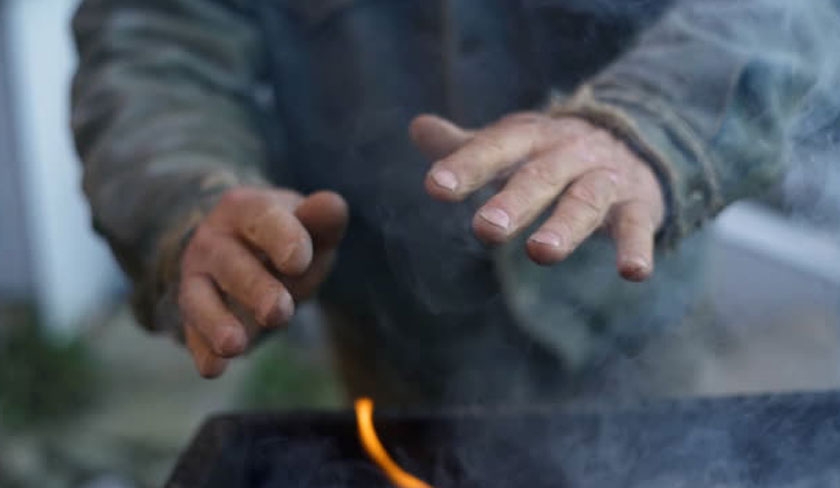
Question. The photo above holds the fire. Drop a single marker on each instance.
(374, 449)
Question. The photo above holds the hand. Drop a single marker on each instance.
(592, 179)
(260, 250)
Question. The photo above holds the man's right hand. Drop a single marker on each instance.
(261, 250)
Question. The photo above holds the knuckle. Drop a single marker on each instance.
(267, 218)
(587, 197)
(252, 227)
(489, 143)
(250, 221)
(253, 286)
(535, 129)
(542, 174)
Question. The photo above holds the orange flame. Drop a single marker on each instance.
(372, 445)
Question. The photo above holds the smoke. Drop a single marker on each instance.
(812, 186)
(580, 310)
(771, 442)
(768, 442)
(445, 323)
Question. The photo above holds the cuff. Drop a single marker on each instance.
(155, 299)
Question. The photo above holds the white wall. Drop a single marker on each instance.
(775, 285)
(15, 263)
(74, 271)
(762, 263)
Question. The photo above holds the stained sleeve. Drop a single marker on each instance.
(163, 123)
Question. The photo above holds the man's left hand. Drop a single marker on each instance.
(590, 177)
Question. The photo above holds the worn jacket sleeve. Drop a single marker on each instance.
(163, 124)
(709, 96)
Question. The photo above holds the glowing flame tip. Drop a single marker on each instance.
(373, 447)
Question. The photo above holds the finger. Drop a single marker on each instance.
(489, 153)
(240, 274)
(304, 287)
(527, 194)
(266, 223)
(633, 228)
(581, 210)
(437, 137)
(202, 307)
(208, 364)
(324, 215)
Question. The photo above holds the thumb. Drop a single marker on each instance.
(437, 137)
(324, 215)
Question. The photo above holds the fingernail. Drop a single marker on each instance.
(546, 238)
(280, 312)
(445, 179)
(231, 342)
(636, 263)
(297, 258)
(496, 217)
(635, 268)
(211, 367)
(287, 307)
(267, 313)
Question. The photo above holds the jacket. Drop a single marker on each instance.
(175, 101)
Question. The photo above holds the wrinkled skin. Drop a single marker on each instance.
(593, 177)
(266, 249)
(263, 248)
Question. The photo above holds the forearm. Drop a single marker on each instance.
(163, 125)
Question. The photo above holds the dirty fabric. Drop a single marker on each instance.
(177, 100)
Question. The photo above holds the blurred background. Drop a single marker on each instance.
(88, 399)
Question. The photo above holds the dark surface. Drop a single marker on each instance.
(764, 441)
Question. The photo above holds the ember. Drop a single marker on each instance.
(373, 447)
